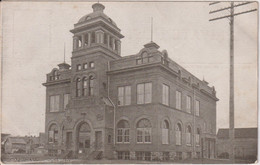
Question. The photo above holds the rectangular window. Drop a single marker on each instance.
(123, 155)
(197, 108)
(165, 95)
(91, 64)
(178, 137)
(197, 138)
(144, 93)
(189, 155)
(66, 100)
(78, 67)
(123, 135)
(54, 103)
(85, 66)
(188, 138)
(188, 104)
(179, 155)
(178, 100)
(165, 135)
(124, 95)
(166, 156)
(119, 135)
(144, 135)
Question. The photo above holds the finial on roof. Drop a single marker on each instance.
(151, 29)
(98, 7)
(64, 53)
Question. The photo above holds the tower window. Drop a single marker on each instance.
(85, 86)
(105, 38)
(93, 37)
(92, 65)
(85, 66)
(78, 67)
(91, 86)
(78, 87)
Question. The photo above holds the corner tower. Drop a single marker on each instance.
(96, 32)
(96, 40)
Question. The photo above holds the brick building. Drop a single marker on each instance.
(245, 143)
(143, 106)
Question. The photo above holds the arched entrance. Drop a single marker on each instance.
(83, 138)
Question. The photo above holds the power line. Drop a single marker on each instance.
(231, 17)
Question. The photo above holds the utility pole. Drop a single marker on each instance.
(231, 80)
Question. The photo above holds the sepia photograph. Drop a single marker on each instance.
(129, 82)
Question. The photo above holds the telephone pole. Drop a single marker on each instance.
(231, 9)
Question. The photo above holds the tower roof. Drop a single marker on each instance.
(98, 9)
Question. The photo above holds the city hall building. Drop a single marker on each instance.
(143, 106)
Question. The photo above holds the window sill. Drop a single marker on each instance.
(144, 142)
(188, 145)
(122, 142)
(178, 144)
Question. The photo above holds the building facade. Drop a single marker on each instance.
(245, 143)
(143, 106)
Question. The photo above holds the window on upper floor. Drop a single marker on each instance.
(178, 133)
(188, 104)
(144, 131)
(178, 100)
(197, 108)
(91, 85)
(54, 103)
(78, 67)
(93, 37)
(124, 95)
(165, 132)
(105, 38)
(85, 86)
(123, 132)
(65, 100)
(144, 93)
(165, 94)
(144, 58)
(78, 88)
(85, 66)
(56, 75)
(91, 64)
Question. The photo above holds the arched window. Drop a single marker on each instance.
(188, 135)
(178, 131)
(144, 131)
(84, 136)
(198, 136)
(55, 75)
(165, 132)
(91, 85)
(85, 87)
(78, 87)
(123, 131)
(53, 134)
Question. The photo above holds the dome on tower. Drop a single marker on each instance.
(97, 12)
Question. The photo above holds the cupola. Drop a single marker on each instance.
(96, 31)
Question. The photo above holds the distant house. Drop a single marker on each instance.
(4, 137)
(245, 144)
(15, 145)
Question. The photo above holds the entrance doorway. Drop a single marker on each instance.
(84, 138)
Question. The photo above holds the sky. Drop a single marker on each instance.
(34, 37)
